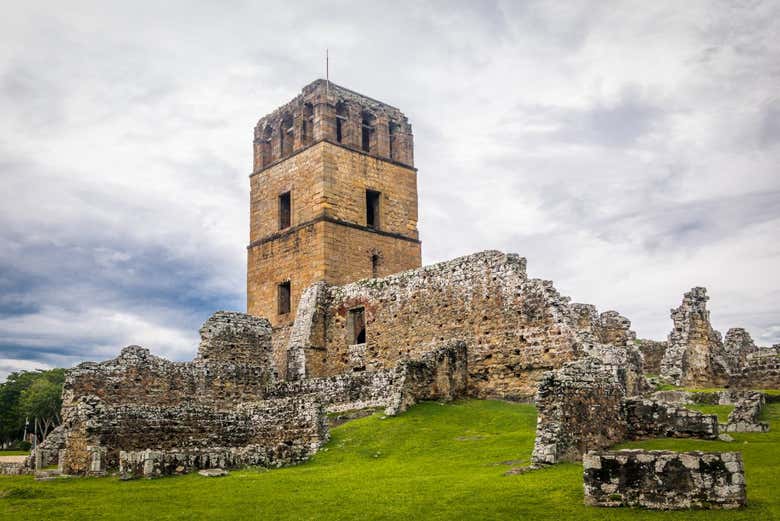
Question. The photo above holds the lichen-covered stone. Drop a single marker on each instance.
(234, 363)
(695, 355)
(584, 406)
(269, 433)
(438, 375)
(664, 480)
(652, 354)
(579, 408)
(746, 414)
(515, 329)
(650, 419)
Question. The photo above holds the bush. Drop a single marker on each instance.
(22, 445)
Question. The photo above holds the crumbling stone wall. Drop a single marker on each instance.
(652, 419)
(438, 375)
(737, 345)
(234, 363)
(760, 371)
(573, 405)
(584, 406)
(48, 451)
(746, 414)
(514, 328)
(187, 410)
(695, 356)
(652, 354)
(664, 480)
(269, 432)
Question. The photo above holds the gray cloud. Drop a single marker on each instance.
(629, 154)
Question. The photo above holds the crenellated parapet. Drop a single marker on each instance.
(324, 111)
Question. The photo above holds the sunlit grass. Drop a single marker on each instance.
(433, 462)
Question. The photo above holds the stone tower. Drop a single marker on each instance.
(333, 198)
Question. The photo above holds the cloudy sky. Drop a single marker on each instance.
(630, 150)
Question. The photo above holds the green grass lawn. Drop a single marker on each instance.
(722, 411)
(433, 462)
(14, 452)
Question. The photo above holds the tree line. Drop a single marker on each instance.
(29, 399)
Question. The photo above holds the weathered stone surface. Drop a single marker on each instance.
(15, 465)
(514, 328)
(234, 364)
(760, 371)
(213, 473)
(49, 449)
(663, 480)
(573, 405)
(650, 419)
(695, 355)
(652, 354)
(583, 406)
(746, 413)
(738, 345)
(438, 375)
(269, 433)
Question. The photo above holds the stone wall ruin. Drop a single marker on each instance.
(664, 480)
(574, 403)
(515, 328)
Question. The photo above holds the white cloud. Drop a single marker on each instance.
(630, 153)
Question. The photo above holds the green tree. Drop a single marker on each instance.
(27, 395)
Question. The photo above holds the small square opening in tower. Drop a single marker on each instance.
(356, 326)
(283, 297)
(285, 210)
(372, 208)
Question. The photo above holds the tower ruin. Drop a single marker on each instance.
(333, 198)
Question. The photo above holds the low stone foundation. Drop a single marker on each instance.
(664, 480)
(652, 419)
(15, 468)
(156, 463)
(744, 417)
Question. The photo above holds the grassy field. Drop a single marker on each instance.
(722, 411)
(433, 462)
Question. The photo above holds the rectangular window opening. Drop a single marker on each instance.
(372, 209)
(284, 211)
(366, 138)
(283, 297)
(374, 266)
(339, 130)
(356, 326)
